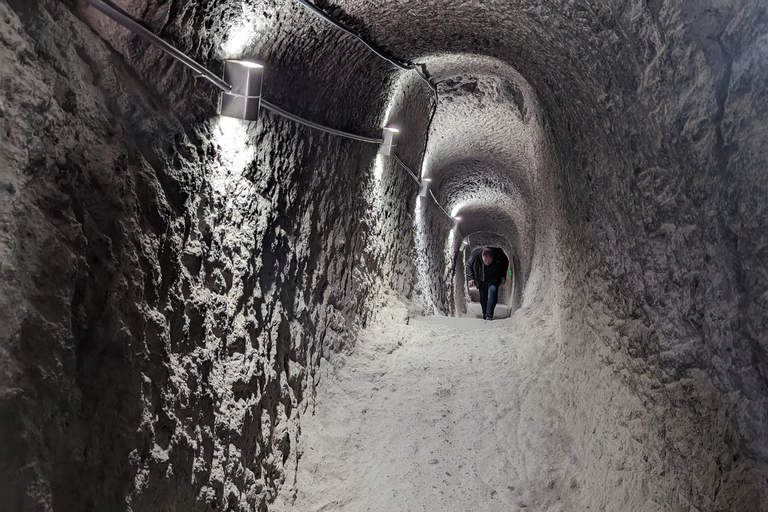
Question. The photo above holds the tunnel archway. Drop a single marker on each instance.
(510, 292)
(491, 174)
(174, 287)
(488, 199)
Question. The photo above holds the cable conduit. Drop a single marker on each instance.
(439, 205)
(150, 36)
(402, 164)
(404, 65)
(277, 110)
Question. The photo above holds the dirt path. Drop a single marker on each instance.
(427, 417)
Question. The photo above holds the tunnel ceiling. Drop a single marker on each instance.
(481, 149)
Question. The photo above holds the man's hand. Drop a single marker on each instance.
(471, 282)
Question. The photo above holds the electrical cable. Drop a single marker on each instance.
(404, 65)
(439, 205)
(277, 110)
(402, 164)
(407, 66)
(415, 178)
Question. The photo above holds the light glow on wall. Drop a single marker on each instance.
(242, 213)
(395, 96)
(237, 152)
(377, 212)
(243, 33)
(425, 167)
(378, 172)
(454, 237)
(451, 243)
(422, 265)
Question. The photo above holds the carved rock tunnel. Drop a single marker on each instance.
(171, 280)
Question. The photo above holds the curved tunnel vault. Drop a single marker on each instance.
(172, 283)
(482, 158)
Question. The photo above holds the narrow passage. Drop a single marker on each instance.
(427, 417)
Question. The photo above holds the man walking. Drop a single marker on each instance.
(487, 269)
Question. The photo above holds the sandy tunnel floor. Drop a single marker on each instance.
(427, 416)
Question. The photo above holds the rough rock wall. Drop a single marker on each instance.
(656, 113)
(656, 118)
(169, 278)
(676, 169)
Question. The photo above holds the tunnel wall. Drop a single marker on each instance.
(649, 247)
(462, 297)
(170, 279)
(432, 228)
(126, 310)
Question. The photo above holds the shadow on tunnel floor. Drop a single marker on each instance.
(475, 311)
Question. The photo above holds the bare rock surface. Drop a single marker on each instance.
(170, 281)
(163, 272)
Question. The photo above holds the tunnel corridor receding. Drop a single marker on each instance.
(486, 158)
(175, 287)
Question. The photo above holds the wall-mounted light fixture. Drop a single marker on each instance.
(424, 187)
(389, 145)
(242, 100)
(241, 91)
(241, 83)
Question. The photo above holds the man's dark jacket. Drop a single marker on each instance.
(495, 273)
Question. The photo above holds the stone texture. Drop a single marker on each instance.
(170, 280)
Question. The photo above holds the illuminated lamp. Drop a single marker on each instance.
(389, 145)
(424, 187)
(242, 100)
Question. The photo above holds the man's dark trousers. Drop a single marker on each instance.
(489, 296)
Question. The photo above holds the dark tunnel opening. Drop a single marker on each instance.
(510, 291)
